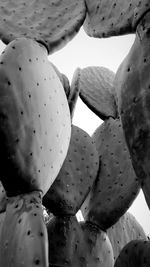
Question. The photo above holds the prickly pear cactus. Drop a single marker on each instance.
(53, 23)
(133, 89)
(64, 80)
(99, 250)
(35, 122)
(97, 91)
(3, 198)
(24, 239)
(135, 253)
(125, 230)
(76, 176)
(67, 246)
(112, 17)
(116, 186)
(74, 91)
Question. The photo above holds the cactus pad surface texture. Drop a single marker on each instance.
(126, 229)
(52, 22)
(67, 246)
(114, 17)
(133, 88)
(97, 91)
(99, 249)
(135, 253)
(76, 176)
(23, 238)
(35, 125)
(116, 186)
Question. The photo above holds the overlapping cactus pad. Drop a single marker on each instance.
(135, 253)
(117, 185)
(67, 246)
(24, 239)
(133, 89)
(113, 17)
(53, 23)
(97, 91)
(125, 230)
(35, 124)
(76, 176)
(99, 249)
(3, 198)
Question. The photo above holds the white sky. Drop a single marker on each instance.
(84, 51)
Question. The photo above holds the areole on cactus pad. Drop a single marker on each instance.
(116, 186)
(35, 125)
(113, 17)
(54, 23)
(23, 238)
(76, 176)
(133, 90)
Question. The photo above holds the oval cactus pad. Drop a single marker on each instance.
(113, 17)
(125, 230)
(67, 246)
(76, 176)
(53, 23)
(135, 253)
(35, 122)
(133, 90)
(99, 249)
(97, 91)
(74, 91)
(24, 239)
(3, 198)
(116, 185)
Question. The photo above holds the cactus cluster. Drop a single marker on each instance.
(49, 163)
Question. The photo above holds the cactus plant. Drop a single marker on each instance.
(97, 91)
(125, 230)
(99, 249)
(135, 253)
(132, 83)
(3, 198)
(116, 186)
(64, 80)
(76, 176)
(66, 242)
(24, 239)
(112, 17)
(35, 123)
(53, 23)
(74, 91)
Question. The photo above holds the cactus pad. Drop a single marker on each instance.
(24, 240)
(3, 198)
(116, 185)
(135, 253)
(113, 17)
(53, 23)
(133, 88)
(35, 124)
(66, 243)
(99, 250)
(74, 91)
(76, 176)
(97, 91)
(125, 230)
